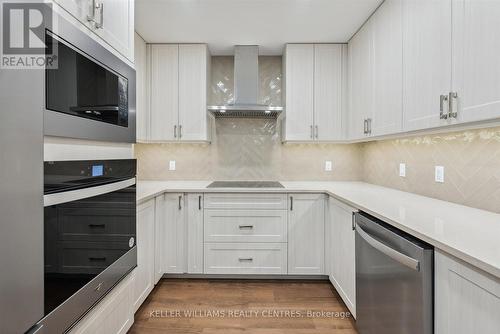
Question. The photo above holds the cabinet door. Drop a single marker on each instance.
(142, 108)
(387, 69)
(193, 59)
(328, 90)
(174, 240)
(343, 265)
(145, 252)
(466, 299)
(426, 61)
(299, 85)
(159, 241)
(116, 20)
(194, 217)
(164, 72)
(360, 81)
(476, 46)
(306, 221)
(79, 9)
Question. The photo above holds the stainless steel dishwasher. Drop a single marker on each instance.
(394, 280)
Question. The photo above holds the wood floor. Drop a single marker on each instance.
(253, 307)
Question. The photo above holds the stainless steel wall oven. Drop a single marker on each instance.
(89, 235)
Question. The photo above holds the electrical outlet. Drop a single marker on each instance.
(439, 174)
(402, 169)
(171, 165)
(328, 166)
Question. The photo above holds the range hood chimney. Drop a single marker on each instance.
(246, 87)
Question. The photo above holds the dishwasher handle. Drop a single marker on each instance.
(395, 255)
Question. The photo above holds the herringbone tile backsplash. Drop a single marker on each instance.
(248, 149)
(471, 160)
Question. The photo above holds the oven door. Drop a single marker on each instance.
(89, 244)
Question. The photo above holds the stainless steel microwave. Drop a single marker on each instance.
(90, 94)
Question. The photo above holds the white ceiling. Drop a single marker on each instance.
(268, 23)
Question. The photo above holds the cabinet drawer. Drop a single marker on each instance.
(245, 201)
(245, 258)
(245, 225)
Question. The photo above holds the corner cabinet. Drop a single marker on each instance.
(466, 299)
(179, 77)
(306, 229)
(315, 89)
(340, 251)
(375, 75)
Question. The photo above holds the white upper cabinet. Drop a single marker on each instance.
(111, 20)
(476, 50)
(328, 91)
(306, 234)
(427, 62)
(314, 88)
(299, 91)
(193, 80)
(387, 69)
(178, 92)
(360, 62)
(115, 24)
(164, 107)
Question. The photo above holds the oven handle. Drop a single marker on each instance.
(75, 195)
(395, 255)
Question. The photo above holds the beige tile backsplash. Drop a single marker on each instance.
(248, 149)
(471, 160)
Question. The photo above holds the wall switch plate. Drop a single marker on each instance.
(439, 174)
(328, 166)
(402, 169)
(171, 165)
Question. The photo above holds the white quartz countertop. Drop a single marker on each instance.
(470, 234)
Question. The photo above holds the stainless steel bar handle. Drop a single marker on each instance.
(442, 100)
(245, 227)
(199, 202)
(452, 113)
(312, 132)
(180, 199)
(365, 126)
(317, 132)
(91, 14)
(291, 203)
(353, 221)
(244, 259)
(393, 254)
(180, 131)
(368, 126)
(101, 11)
(175, 131)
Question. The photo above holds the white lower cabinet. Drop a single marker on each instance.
(306, 221)
(245, 258)
(466, 300)
(112, 315)
(341, 252)
(159, 234)
(182, 249)
(145, 234)
(194, 219)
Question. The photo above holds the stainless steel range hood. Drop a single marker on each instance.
(246, 87)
